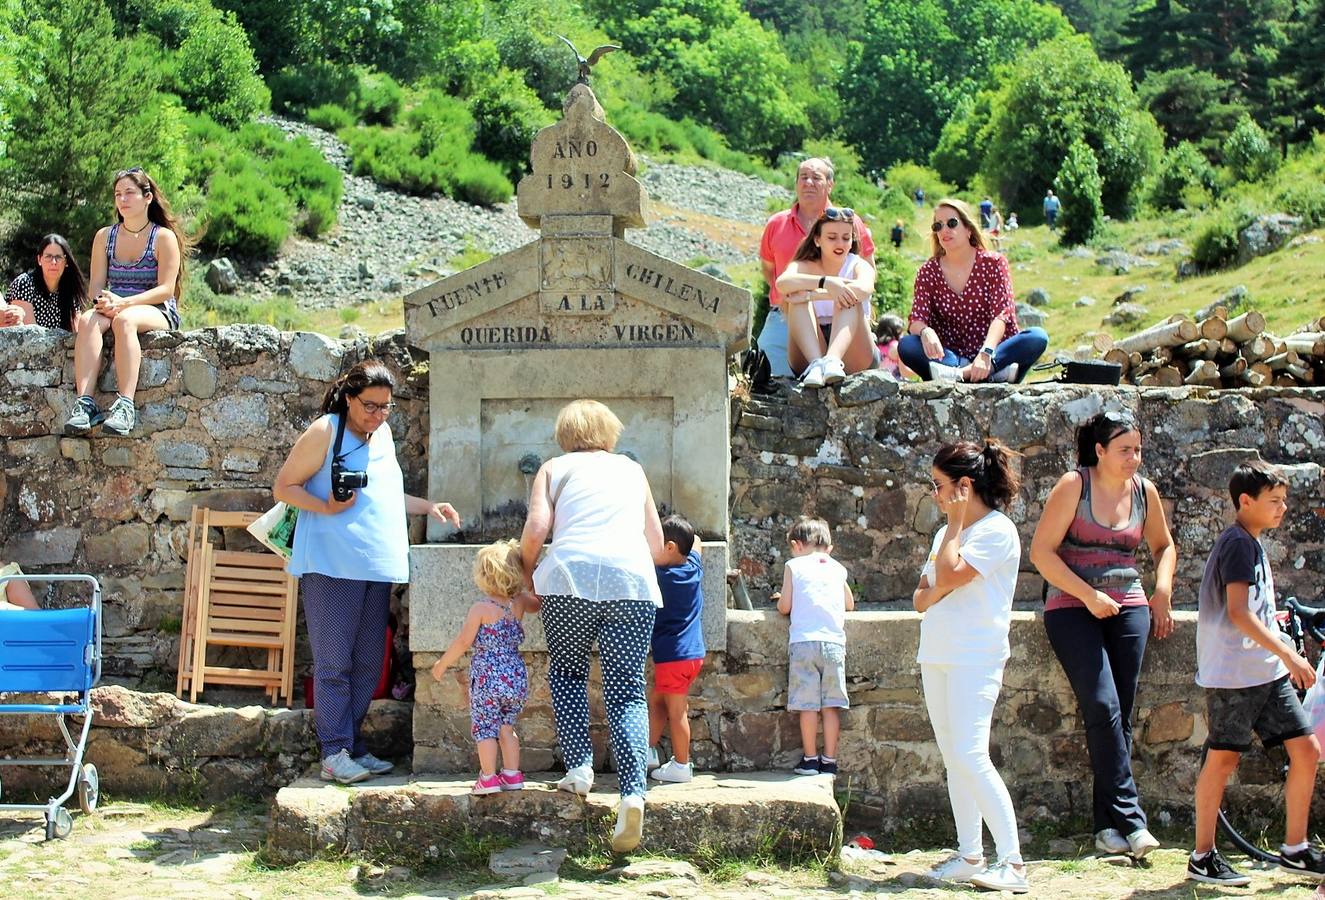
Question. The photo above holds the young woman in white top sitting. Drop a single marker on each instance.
(597, 584)
(826, 291)
(965, 594)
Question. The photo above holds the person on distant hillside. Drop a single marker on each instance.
(782, 237)
(896, 235)
(963, 319)
(826, 290)
(919, 197)
(51, 294)
(986, 214)
(137, 278)
(1012, 224)
(1051, 206)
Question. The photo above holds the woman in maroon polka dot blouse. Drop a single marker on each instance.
(963, 319)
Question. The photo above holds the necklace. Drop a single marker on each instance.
(125, 226)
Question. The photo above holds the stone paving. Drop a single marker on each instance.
(130, 850)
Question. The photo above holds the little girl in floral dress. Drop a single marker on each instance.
(498, 680)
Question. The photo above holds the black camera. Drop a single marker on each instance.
(345, 481)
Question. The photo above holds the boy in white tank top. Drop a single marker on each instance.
(816, 596)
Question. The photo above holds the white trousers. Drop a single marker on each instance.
(961, 707)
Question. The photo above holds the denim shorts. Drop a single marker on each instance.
(816, 675)
(1271, 710)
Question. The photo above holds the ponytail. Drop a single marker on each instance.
(369, 373)
(987, 464)
(1100, 430)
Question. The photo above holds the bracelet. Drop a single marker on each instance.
(822, 280)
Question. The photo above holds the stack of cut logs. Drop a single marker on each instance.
(1219, 352)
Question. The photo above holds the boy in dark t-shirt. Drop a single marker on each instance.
(678, 647)
(1249, 674)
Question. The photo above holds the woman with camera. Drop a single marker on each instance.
(350, 547)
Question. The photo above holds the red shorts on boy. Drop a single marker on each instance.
(677, 676)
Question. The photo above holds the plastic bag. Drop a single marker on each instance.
(275, 529)
(1314, 702)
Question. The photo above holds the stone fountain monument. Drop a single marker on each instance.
(580, 312)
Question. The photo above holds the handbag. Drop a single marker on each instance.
(275, 528)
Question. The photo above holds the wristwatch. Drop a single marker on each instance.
(987, 351)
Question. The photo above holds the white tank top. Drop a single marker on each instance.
(823, 309)
(818, 599)
(598, 550)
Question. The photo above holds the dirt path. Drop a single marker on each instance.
(133, 850)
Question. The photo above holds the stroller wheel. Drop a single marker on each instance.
(89, 788)
(59, 825)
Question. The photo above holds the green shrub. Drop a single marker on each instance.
(296, 89)
(481, 181)
(313, 184)
(1305, 199)
(378, 98)
(1182, 169)
(1248, 153)
(908, 176)
(507, 115)
(1079, 186)
(892, 286)
(246, 213)
(204, 309)
(330, 116)
(1216, 244)
(216, 73)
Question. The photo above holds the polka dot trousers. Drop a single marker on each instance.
(623, 630)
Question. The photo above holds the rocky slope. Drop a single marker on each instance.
(389, 243)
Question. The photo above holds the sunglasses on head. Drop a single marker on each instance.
(953, 223)
(839, 214)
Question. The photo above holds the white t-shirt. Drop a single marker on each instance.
(598, 551)
(970, 625)
(818, 599)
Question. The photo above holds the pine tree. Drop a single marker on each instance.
(82, 106)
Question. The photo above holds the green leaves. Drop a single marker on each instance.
(1079, 185)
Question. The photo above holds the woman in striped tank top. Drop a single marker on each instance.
(1097, 616)
(137, 273)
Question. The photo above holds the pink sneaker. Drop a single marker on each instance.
(511, 782)
(486, 784)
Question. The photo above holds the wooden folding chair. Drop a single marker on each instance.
(188, 626)
(244, 599)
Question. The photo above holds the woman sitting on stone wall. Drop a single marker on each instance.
(826, 291)
(52, 294)
(1097, 615)
(350, 547)
(137, 278)
(963, 319)
(597, 583)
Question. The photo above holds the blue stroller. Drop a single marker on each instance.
(54, 651)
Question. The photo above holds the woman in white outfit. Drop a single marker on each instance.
(965, 594)
(826, 290)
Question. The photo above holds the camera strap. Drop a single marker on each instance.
(336, 455)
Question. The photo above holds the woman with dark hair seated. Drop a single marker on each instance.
(963, 319)
(51, 294)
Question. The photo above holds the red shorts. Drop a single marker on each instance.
(676, 677)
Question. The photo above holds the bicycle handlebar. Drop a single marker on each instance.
(1311, 617)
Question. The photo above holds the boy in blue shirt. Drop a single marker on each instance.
(678, 647)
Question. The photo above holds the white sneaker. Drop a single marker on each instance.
(674, 772)
(1006, 375)
(957, 868)
(1001, 876)
(651, 759)
(1141, 842)
(940, 372)
(578, 780)
(341, 768)
(834, 371)
(1111, 840)
(814, 374)
(629, 824)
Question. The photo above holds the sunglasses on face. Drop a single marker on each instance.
(953, 224)
(839, 214)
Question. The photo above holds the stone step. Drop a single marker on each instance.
(414, 819)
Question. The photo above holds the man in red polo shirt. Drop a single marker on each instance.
(782, 235)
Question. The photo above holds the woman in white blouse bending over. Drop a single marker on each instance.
(597, 583)
(826, 290)
(965, 594)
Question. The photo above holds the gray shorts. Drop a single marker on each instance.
(816, 675)
(1271, 710)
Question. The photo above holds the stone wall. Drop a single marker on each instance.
(860, 458)
(219, 410)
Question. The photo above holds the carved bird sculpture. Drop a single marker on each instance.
(586, 64)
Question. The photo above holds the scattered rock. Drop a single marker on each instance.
(1062, 847)
(1038, 297)
(221, 276)
(1188, 268)
(1266, 234)
(654, 868)
(1079, 253)
(1304, 239)
(1126, 314)
(1129, 294)
(1083, 301)
(526, 859)
(1029, 316)
(1164, 248)
(1231, 300)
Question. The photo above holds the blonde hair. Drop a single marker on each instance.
(964, 213)
(587, 425)
(499, 570)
